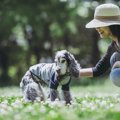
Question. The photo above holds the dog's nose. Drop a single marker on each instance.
(58, 71)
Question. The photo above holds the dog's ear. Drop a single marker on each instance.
(69, 57)
(74, 66)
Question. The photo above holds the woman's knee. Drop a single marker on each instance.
(114, 58)
(115, 76)
(116, 65)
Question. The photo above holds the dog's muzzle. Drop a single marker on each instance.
(58, 71)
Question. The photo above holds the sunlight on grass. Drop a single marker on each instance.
(108, 88)
(10, 91)
(94, 102)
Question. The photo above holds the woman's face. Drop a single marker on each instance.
(104, 32)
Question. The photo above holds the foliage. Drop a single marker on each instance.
(85, 107)
(34, 30)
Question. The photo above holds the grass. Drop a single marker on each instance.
(94, 102)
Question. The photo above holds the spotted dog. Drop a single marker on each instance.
(54, 74)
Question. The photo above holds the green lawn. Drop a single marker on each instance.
(94, 102)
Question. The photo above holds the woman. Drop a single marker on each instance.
(107, 23)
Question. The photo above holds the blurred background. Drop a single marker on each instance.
(31, 31)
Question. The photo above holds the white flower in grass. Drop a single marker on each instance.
(116, 95)
(42, 102)
(117, 107)
(118, 99)
(63, 102)
(5, 108)
(103, 103)
(87, 95)
(5, 102)
(56, 103)
(98, 101)
(53, 104)
(46, 102)
(17, 117)
(29, 109)
(74, 104)
(111, 105)
(83, 108)
(57, 100)
(17, 104)
(84, 102)
(14, 105)
(2, 111)
(92, 106)
(53, 114)
(43, 109)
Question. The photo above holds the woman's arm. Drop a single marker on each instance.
(86, 72)
(102, 65)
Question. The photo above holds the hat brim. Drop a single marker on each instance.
(99, 23)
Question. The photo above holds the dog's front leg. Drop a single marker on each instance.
(53, 94)
(67, 96)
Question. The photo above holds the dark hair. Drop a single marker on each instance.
(115, 29)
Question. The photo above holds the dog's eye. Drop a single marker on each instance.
(62, 61)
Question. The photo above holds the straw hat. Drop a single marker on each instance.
(105, 15)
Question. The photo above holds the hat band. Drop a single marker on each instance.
(107, 17)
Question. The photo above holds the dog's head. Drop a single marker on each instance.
(66, 63)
